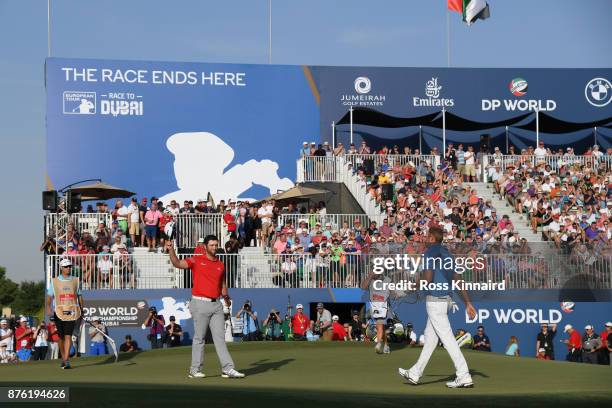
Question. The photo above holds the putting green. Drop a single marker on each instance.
(311, 374)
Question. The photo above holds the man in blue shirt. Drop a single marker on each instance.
(249, 321)
(438, 274)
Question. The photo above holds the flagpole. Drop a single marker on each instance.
(333, 125)
(351, 117)
(506, 139)
(269, 31)
(443, 131)
(537, 127)
(448, 63)
(48, 28)
(420, 139)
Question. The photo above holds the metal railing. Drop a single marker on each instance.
(154, 271)
(82, 221)
(337, 221)
(554, 161)
(330, 169)
(317, 169)
(191, 227)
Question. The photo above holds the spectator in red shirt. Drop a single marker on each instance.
(299, 323)
(230, 221)
(604, 352)
(574, 344)
(165, 219)
(338, 332)
(23, 339)
(53, 341)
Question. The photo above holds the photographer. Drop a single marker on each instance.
(323, 324)
(174, 332)
(272, 326)
(97, 342)
(41, 342)
(250, 329)
(156, 332)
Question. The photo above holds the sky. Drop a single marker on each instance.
(520, 33)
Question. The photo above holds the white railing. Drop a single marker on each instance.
(82, 221)
(391, 160)
(191, 227)
(337, 221)
(154, 271)
(554, 161)
(317, 169)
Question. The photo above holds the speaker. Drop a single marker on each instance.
(387, 191)
(484, 142)
(49, 200)
(73, 202)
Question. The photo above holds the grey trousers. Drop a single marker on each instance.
(207, 314)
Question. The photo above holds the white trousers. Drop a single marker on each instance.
(438, 327)
(53, 353)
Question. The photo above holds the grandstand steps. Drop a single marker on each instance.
(255, 269)
(153, 270)
(519, 221)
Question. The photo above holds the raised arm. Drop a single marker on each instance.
(177, 263)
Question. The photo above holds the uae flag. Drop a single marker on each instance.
(471, 10)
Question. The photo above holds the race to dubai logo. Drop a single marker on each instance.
(598, 92)
(518, 86)
(567, 306)
(363, 85)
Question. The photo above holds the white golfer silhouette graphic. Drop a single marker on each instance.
(170, 307)
(200, 160)
(86, 106)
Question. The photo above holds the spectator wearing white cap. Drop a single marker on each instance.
(6, 335)
(605, 350)
(590, 345)
(574, 344)
(299, 323)
(305, 150)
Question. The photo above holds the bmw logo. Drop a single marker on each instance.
(363, 85)
(598, 92)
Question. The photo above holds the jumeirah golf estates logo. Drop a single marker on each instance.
(363, 85)
(518, 86)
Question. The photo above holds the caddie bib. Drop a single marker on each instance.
(66, 302)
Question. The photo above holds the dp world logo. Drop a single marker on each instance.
(363, 85)
(598, 92)
(518, 86)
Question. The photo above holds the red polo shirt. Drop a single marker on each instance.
(575, 341)
(25, 342)
(207, 275)
(300, 323)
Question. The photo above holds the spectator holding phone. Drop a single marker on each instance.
(41, 342)
(481, 340)
(174, 332)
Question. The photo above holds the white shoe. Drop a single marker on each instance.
(232, 374)
(465, 382)
(406, 374)
(199, 374)
(386, 349)
(379, 348)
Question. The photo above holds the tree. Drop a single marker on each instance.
(8, 289)
(30, 297)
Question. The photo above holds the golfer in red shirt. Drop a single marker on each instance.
(206, 309)
(574, 344)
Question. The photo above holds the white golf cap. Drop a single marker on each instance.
(200, 240)
(66, 262)
(335, 317)
(609, 324)
(299, 306)
(298, 231)
(588, 327)
(567, 328)
(3, 321)
(23, 319)
(304, 143)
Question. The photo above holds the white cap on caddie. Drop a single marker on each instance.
(66, 262)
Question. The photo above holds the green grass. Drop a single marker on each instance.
(317, 374)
